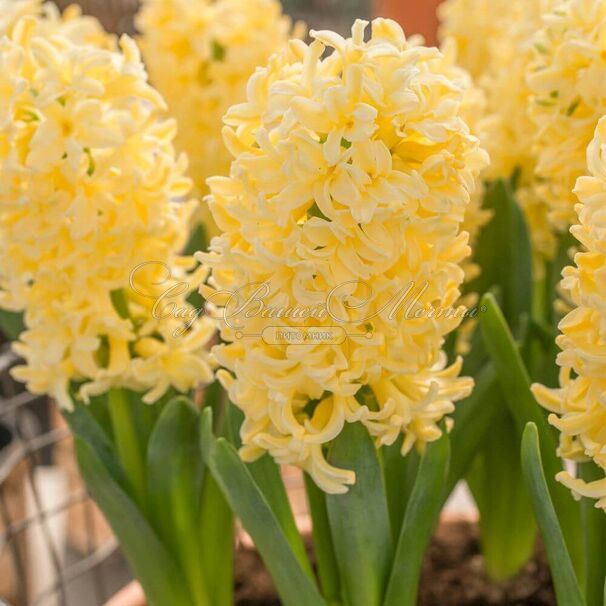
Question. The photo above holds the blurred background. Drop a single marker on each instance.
(55, 548)
(417, 16)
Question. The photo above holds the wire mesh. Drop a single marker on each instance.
(55, 548)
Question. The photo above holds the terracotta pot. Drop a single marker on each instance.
(415, 16)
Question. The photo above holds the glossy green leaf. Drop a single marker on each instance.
(508, 529)
(216, 526)
(511, 373)
(267, 477)
(421, 517)
(515, 386)
(151, 563)
(293, 582)
(324, 548)
(554, 275)
(198, 240)
(594, 527)
(174, 485)
(400, 474)
(84, 425)
(473, 418)
(563, 574)
(11, 324)
(217, 541)
(503, 252)
(129, 442)
(359, 519)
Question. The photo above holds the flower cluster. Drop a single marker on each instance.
(351, 177)
(579, 406)
(90, 189)
(495, 43)
(567, 81)
(200, 54)
(473, 112)
(473, 25)
(71, 24)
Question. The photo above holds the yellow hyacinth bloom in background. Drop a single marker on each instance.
(351, 177)
(578, 407)
(473, 24)
(80, 29)
(90, 189)
(200, 54)
(494, 40)
(567, 82)
(473, 112)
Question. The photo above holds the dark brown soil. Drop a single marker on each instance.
(452, 576)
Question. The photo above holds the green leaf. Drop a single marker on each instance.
(293, 582)
(84, 425)
(359, 519)
(594, 526)
(503, 252)
(11, 324)
(519, 291)
(515, 386)
(234, 419)
(174, 484)
(473, 419)
(512, 374)
(324, 549)
(421, 516)
(198, 240)
(129, 442)
(400, 474)
(120, 302)
(267, 477)
(216, 526)
(554, 275)
(507, 525)
(563, 575)
(217, 540)
(149, 560)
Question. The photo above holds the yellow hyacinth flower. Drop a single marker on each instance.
(91, 190)
(566, 79)
(352, 173)
(494, 40)
(200, 54)
(72, 24)
(473, 25)
(473, 112)
(578, 406)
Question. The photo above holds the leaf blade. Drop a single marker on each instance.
(420, 518)
(145, 553)
(515, 386)
(564, 578)
(174, 470)
(294, 584)
(359, 519)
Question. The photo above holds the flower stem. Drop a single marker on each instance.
(127, 442)
(328, 570)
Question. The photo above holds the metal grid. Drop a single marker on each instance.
(83, 567)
